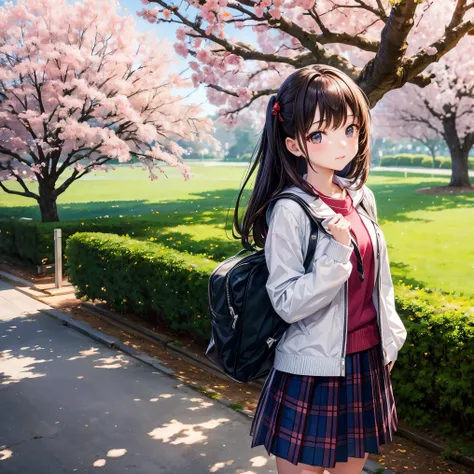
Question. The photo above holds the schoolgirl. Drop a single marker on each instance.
(328, 400)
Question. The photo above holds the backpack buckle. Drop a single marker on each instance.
(270, 341)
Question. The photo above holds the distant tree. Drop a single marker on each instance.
(245, 141)
(444, 109)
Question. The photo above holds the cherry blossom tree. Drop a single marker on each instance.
(381, 44)
(444, 109)
(79, 87)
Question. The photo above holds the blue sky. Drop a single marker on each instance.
(167, 30)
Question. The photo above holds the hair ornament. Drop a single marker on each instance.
(276, 110)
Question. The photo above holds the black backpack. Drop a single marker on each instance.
(245, 327)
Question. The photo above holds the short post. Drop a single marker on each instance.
(406, 172)
(58, 258)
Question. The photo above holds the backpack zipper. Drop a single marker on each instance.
(231, 308)
(215, 271)
(232, 311)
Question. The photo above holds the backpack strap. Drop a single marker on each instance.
(315, 226)
(316, 223)
(313, 240)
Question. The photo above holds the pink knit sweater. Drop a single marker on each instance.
(363, 330)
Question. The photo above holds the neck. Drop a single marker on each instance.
(323, 182)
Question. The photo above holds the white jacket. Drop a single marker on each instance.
(315, 302)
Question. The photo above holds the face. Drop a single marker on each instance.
(329, 148)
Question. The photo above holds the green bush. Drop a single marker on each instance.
(425, 161)
(33, 241)
(149, 279)
(417, 160)
(7, 237)
(434, 374)
(26, 240)
(406, 159)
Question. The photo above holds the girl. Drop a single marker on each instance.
(328, 399)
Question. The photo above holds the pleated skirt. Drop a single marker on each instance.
(321, 420)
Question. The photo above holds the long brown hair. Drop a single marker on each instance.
(298, 96)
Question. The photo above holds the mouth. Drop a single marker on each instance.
(340, 157)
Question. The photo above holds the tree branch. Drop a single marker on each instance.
(18, 193)
(419, 62)
(26, 193)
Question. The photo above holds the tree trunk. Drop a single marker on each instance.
(460, 170)
(459, 152)
(47, 203)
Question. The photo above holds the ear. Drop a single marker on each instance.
(292, 146)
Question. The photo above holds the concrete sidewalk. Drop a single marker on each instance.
(70, 404)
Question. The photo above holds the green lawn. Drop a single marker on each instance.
(430, 237)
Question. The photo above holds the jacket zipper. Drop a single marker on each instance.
(343, 358)
(377, 279)
(377, 283)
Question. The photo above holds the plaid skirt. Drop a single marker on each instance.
(321, 420)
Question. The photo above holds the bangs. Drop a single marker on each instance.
(333, 98)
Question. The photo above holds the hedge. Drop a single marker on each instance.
(434, 374)
(432, 378)
(149, 279)
(424, 161)
(33, 241)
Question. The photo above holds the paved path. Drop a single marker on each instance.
(69, 404)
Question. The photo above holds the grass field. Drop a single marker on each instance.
(430, 237)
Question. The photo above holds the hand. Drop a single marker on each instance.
(340, 229)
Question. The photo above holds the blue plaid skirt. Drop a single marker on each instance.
(323, 420)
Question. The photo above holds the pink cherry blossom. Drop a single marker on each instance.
(181, 49)
(106, 93)
(292, 47)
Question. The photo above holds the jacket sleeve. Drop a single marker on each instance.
(295, 295)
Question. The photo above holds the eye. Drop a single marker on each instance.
(352, 127)
(315, 137)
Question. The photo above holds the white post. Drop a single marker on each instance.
(58, 258)
(406, 172)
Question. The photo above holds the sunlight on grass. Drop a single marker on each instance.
(429, 236)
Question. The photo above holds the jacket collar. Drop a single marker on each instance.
(318, 206)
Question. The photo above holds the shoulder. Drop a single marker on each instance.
(370, 198)
(369, 194)
(287, 211)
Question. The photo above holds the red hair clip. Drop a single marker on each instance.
(276, 111)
